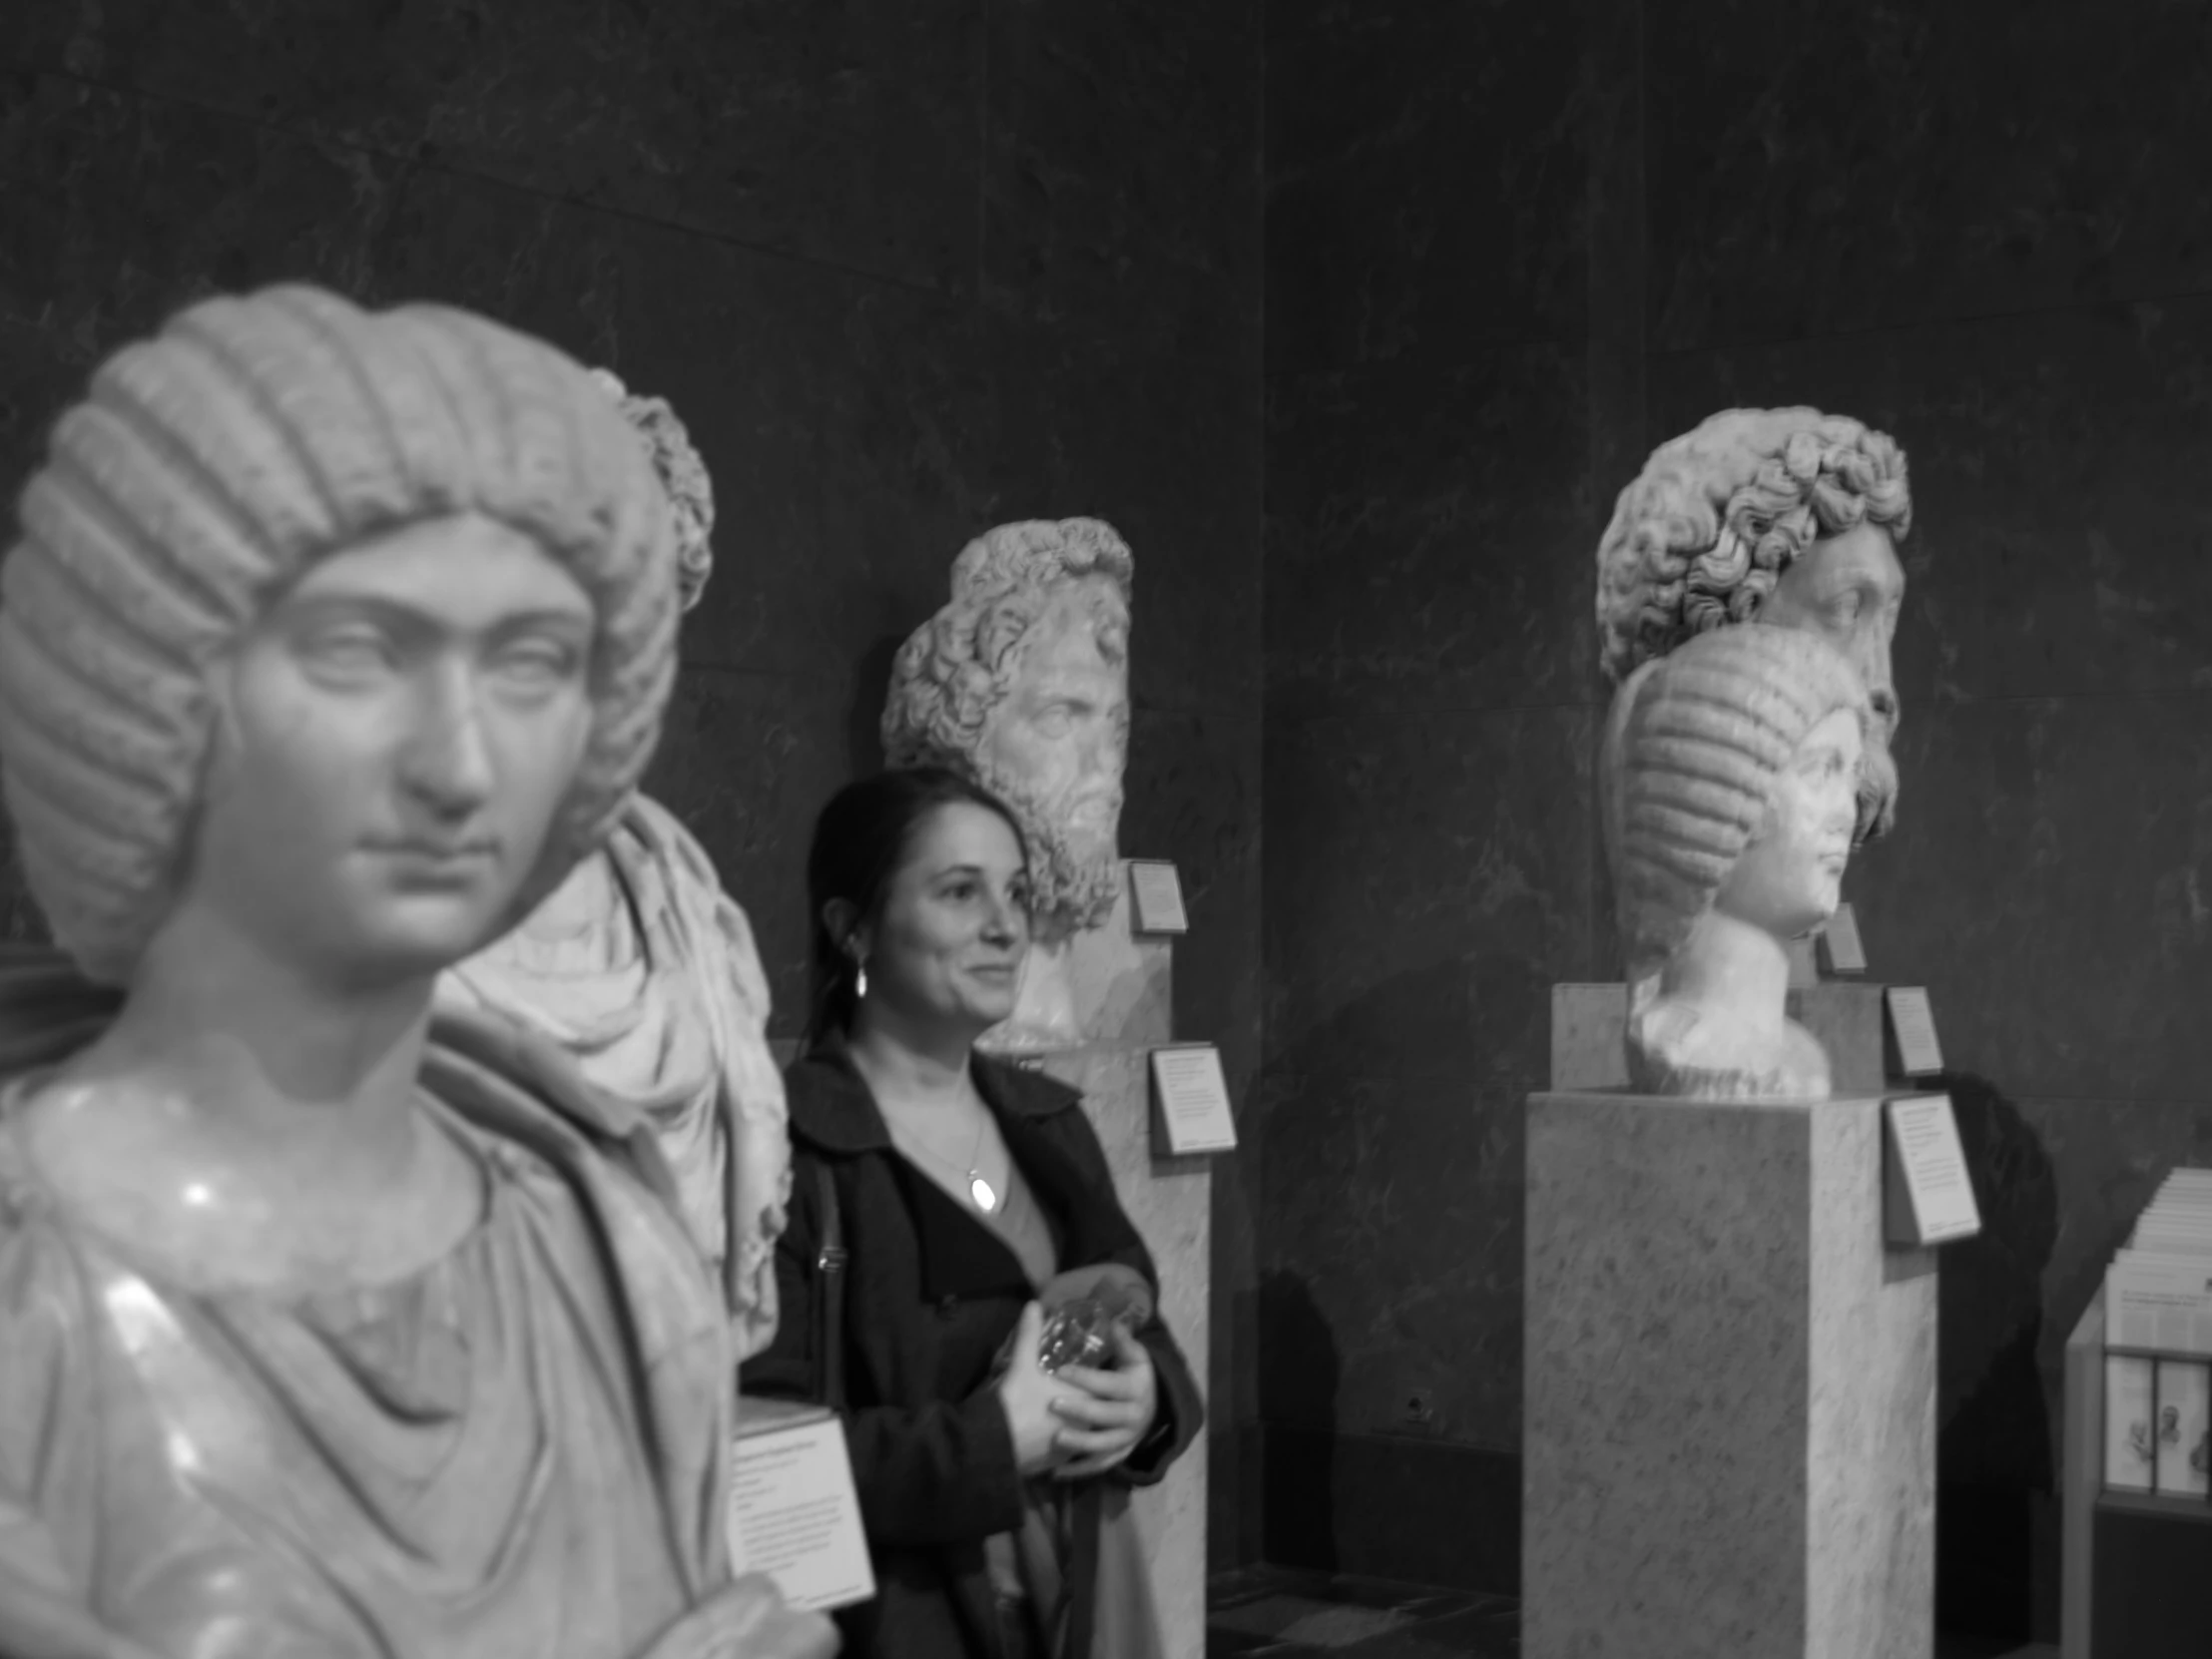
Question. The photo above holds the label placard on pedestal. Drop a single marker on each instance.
(1913, 1025)
(793, 1513)
(1841, 948)
(1156, 895)
(1928, 1195)
(1190, 1101)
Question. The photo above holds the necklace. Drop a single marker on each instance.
(980, 1192)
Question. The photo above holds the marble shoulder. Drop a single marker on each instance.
(677, 848)
(703, 896)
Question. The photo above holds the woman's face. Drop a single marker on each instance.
(1790, 878)
(401, 729)
(947, 945)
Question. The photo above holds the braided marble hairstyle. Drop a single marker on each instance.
(205, 471)
(1696, 743)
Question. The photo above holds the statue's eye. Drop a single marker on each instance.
(349, 652)
(536, 663)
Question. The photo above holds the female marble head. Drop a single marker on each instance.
(1730, 765)
(1784, 516)
(1021, 683)
(220, 469)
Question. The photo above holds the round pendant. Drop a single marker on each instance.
(979, 1189)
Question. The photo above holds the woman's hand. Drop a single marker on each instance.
(1027, 1394)
(1111, 1414)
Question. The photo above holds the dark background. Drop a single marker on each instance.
(1353, 317)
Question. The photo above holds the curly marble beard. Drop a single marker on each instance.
(1070, 891)
(1878, 786)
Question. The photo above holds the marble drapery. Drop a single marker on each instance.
(663, 1003)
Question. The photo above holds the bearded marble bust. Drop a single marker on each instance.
(1021, 683)
(1730, 778)
(1789, 517)
(642, 971)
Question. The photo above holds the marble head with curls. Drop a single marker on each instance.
(1707, 529)
(210, 466)
(683, 474)
(955, 670)
(1705, 532)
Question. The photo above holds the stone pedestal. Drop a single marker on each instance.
(1171, 1203)
(1730, 1401)
(1120, 996)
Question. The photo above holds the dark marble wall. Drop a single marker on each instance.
(1510, 246)
(1430, 692)
(907, 267)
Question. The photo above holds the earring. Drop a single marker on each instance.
(860, 980)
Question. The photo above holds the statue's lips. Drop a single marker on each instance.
(431, 860)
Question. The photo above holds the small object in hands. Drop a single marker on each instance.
(1081, 1308)
(1078, 1333)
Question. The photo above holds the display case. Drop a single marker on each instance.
(2136, 1567)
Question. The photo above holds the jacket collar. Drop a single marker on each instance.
(831, 1107)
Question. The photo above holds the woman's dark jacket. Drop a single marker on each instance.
(930, 1297)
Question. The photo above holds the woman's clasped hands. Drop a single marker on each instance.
(1083, 1420)
(1109, 1411)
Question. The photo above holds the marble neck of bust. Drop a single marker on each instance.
(246, 1037)
(1735, 974)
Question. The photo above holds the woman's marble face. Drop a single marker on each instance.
(1790, 878)
(948, 944)
(396, 736)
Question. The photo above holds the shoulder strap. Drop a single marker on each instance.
(830, 1296)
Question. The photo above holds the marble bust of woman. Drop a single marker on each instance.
(1731, 770)
(642, 971)
(332, 641)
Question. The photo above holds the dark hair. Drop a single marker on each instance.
(860, 840)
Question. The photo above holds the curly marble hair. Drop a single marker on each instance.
(1706, 530)
(1696, 742)
(207, 468)
(683, 474)
(959, 664)
(956, 667)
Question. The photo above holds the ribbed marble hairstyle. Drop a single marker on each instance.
(1698, 739)
(204, 471)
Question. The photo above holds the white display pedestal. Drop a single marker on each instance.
(1730, 1402)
